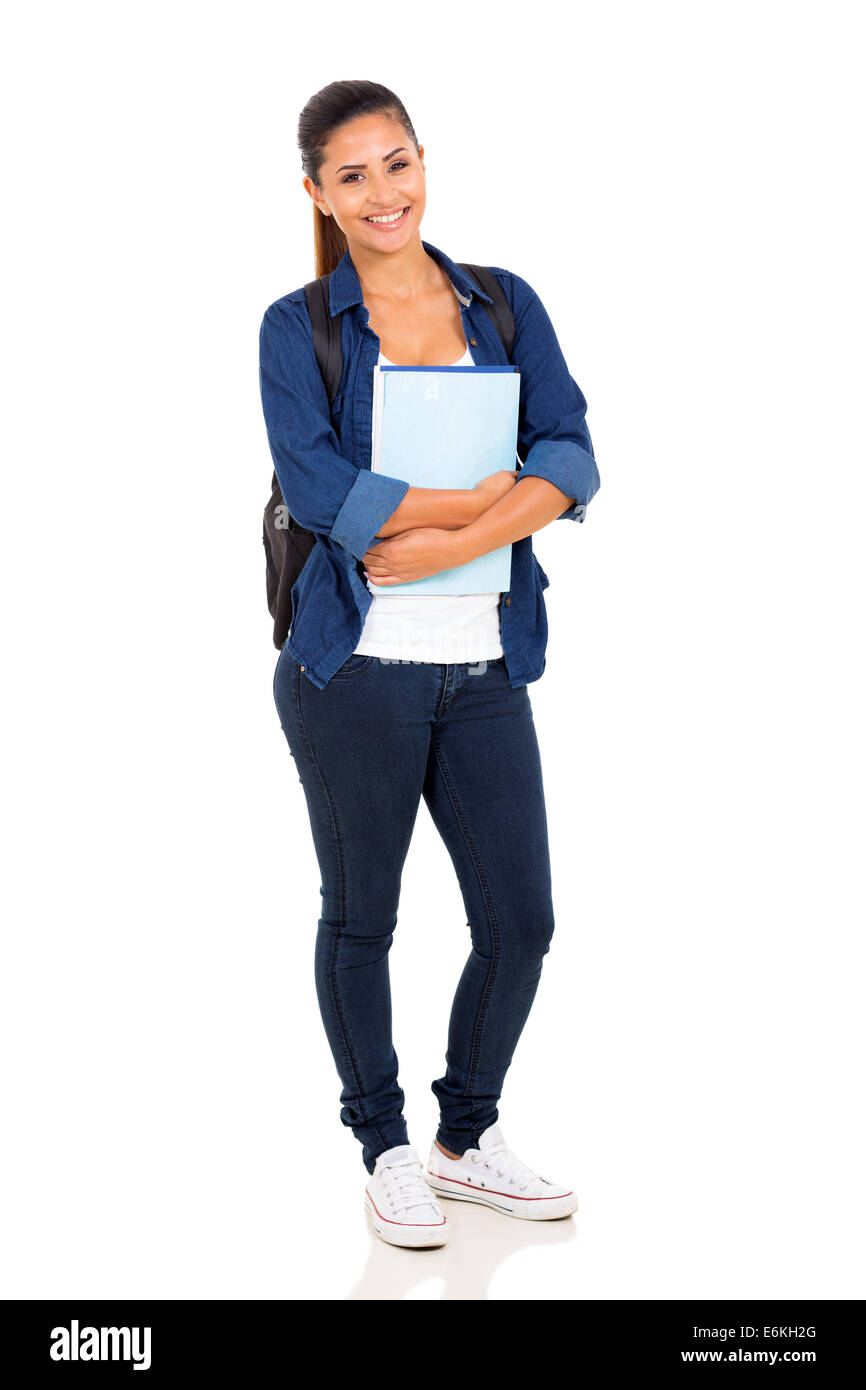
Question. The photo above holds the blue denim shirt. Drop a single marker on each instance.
(322, 459)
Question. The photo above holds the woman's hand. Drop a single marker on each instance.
(497, 485)
(414, 554)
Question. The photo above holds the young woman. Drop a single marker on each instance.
(385, 698)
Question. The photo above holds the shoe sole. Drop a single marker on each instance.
(411, 1237)
(555, 1208)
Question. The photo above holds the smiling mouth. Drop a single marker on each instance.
(386, 226)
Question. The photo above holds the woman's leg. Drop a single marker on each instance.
(360, 748)
(485, 793)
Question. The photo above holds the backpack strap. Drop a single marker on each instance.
(500, 309)
(327, 334)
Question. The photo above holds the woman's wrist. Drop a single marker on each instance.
(461, 543)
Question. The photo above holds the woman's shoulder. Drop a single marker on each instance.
(286, 323)
(287, 305)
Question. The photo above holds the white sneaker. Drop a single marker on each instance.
(495, 1177)
(402, 1208)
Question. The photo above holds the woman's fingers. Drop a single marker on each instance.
(372, 561)
(380, 573)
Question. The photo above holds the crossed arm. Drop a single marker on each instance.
(449, 508)
(413, 547)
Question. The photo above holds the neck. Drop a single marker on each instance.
(404, 274)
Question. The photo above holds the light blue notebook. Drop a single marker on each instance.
(448, 427)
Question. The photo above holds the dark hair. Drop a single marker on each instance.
(333, 106)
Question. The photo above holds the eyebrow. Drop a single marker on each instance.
(384, 157)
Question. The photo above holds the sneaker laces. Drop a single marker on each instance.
(507, 1165)
(405, 1182)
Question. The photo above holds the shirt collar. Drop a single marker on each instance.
(345, 287)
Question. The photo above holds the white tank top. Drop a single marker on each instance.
(446, 628)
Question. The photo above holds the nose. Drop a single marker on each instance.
(379, 195)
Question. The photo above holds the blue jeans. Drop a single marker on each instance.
(367, 747)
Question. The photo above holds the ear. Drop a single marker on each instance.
(316, 196)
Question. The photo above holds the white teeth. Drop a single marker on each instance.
(395, 217)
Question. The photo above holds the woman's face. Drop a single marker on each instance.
(390, 178)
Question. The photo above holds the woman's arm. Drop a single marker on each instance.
(553, 437)
(324, 491)
(448, 508)
(531, 504)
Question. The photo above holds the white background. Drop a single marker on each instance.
(681, 184)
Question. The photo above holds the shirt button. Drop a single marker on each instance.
(473, 342)
(303, 668)
(508, 603)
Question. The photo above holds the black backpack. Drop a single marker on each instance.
(287, 545)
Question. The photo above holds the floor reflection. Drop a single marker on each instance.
(479, 1241)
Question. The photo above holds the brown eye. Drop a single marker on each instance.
(398, 164)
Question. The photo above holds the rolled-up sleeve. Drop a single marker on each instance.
(553, 438)
(323, 491)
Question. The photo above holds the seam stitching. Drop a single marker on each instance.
(336, 936)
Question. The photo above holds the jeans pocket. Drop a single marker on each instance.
(353, 666)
